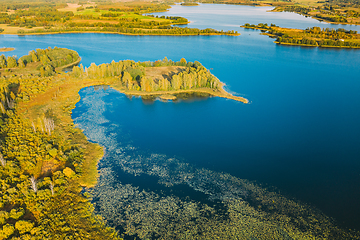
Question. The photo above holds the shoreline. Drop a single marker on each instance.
(127, 34)
(308, 45)
(317, 18)
(68, 99)
(222, 93)
(69, 65)
(266, 33)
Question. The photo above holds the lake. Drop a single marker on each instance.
(298, 136)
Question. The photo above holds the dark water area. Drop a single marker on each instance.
(300, 132)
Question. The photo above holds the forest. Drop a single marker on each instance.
(47, 61)
(131, 75)
(315, 36)
(42, 158)
(330, 13)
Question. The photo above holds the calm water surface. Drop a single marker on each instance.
(300, 133)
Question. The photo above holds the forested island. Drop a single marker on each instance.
(314, 37)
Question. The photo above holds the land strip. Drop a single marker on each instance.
(313, 37)
(7, 49)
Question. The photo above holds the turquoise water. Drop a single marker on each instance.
(300, 133)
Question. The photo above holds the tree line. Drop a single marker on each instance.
(131, 75)
(165, 30)
(47, 60)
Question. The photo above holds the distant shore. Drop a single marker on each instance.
(128, 34)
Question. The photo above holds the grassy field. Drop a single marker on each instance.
(30, 69)
(122, 15)
(163, 72)
(72, 7)
(313, 3)
(15, 30)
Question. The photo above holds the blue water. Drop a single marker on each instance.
(300, 133)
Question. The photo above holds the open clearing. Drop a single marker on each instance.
(163, 72)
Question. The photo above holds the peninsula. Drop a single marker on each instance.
(313, 37)
(163, 78)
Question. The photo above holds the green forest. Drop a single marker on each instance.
(131, 75)
(42, 158)
(44, 60)
(342, 13)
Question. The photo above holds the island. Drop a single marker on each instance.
(45, 161)
(312, 37)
